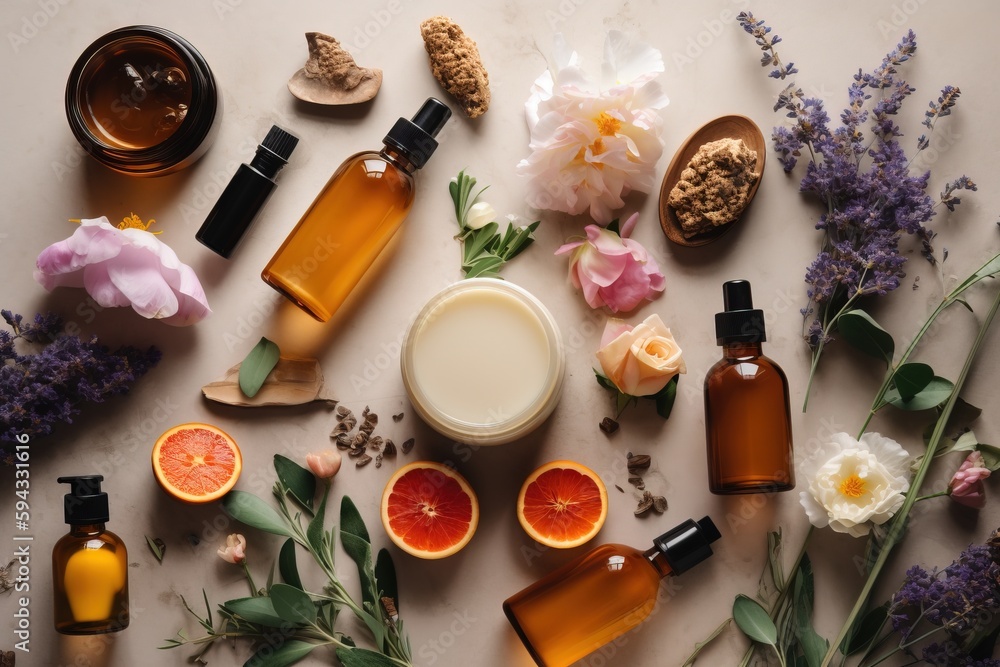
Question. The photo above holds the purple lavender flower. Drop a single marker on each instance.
(38, 390)
(861, 174)
(962, 600)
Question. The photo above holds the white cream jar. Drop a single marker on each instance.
(483, 362)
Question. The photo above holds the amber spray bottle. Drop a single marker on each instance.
(354, 217)
(747, 417)
(603, 594)
(89, 565)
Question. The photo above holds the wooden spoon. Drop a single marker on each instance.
(724, 127)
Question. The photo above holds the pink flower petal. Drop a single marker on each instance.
(566, 247)
(629, 225)
(614, 328)
(629, 290)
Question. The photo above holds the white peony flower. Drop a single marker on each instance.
(594, 142)
(853, 484)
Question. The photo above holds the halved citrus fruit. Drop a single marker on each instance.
(429, 510)
(196, 463)
(562, 504)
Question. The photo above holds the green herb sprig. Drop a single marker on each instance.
(485, 250)
(305, 620)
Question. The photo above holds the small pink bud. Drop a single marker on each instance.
(966, 486)
(324, 464)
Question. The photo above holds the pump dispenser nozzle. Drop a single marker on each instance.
(85, 503)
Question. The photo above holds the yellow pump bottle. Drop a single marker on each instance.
(89, 565)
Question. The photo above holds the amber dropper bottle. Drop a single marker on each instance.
(89, 565)
(603, 594)
(747, 417)
(354, 217)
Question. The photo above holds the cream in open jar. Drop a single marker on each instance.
(483, 362)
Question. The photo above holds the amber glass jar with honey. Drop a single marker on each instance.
(143, 101)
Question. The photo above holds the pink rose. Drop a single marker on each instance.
(612, 269)
(125, 267)
(324, 464)
(640, 361)
(235, 550)
(966, 485)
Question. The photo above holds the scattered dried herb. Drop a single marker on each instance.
(363, 460)
(645, 504)
(637, 482)
(620, 489)
(397, 417)
(609, 425)
(389, 449)
(365, 438)
(157, 546)
(638, 463)
(408, 445)
(343, 411)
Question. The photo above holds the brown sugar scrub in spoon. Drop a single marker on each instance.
(715, 187)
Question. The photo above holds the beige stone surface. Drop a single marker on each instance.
(452, 607)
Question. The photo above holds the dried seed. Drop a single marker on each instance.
(390, 607)
(350, 422)
(375, 442)
(408, 445)
(638, 463)
(645, 504)
(608, 425)
(390, 448)
(659, 504)
(637, 482)
(344, 441)
(340, 429)
(378, 460)
(373, 418)
(356, 452)
(363, 461)
(398, 417)
(364, 413)
(360, 440)
(620, 488)
(367, 428)
(342, 411)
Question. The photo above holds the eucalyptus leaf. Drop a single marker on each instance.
(251, 510)
(479, 239)
(754, 621)
(300, 482)
(911, 379)
(484, 266)
(258, 610)
(865, 334)
(257, 365)
(155, 548)
(288, 653)
(385, 576)
(315, 529)
(362, 657)
(604, 381)
(863, 633)
(934, 394)
(665, 398)
(813, 646)
(287, 566)
(293, 604)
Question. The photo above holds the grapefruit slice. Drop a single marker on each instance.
(563, 504)
(196, 463)
(429, 510)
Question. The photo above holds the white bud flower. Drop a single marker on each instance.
(480, 215)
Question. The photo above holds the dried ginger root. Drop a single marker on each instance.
(456, 64)
(715, 186)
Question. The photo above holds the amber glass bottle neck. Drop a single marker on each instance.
(398, 158)
(742, 350)
(658, 561)
(82, 529)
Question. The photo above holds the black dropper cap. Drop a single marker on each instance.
(246, 193)
(688, 544)
(741, 323)
(85, 503)
(415, 137)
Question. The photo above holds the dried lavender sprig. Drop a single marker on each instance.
(769, 55)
